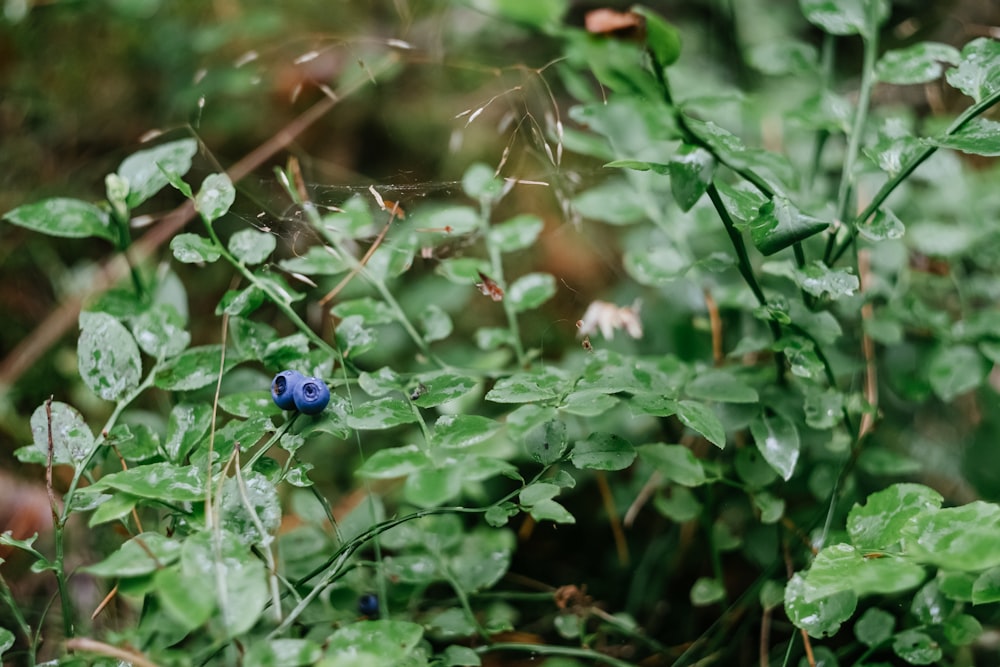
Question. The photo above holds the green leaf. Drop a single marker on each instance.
(283, 653)
(720, 385)
(551, 510)
(986, 587)
(699, 417)
(544, 16)
(978, 73)
(456, 431)
(531, 290)
(318, 260)
(117, 505)
(691, 172)
(962, 629)
(187, 425)
(145, 170)
(656, 263)
(675, 462)
(228, 566)
(780, 225)
(537, 492)
(459, 656)
(188, 598)
(163, 481)
(241, 303)
(72, 441)
(435, 323)
(588, 403)
(251, 509)
(480, 182)
(771, 507)
(515, 234)
(68, 218)
(879, 523)
(353, 337)
(192, 249)
(884, 225)
(194, 368)
(381, 382)
(980, 136)
(546, 442)
(143, 554)
(823, 282)
(613, 202)
(215, 197)
(916, 648)
(955, 370)
(819, 617)
(841, 567)
(662, 39)
(160, 332)
(603, 451)
(874, 626)
(920, 63)
(108, 356)
(380, 414)
(394, 462)
(777, 439)
(372, 311)
(846, 17)
(442, 386)
(7, 640)
(707, 591)
(528, 387)
(372, 644)
(251, 246)
(957, 538)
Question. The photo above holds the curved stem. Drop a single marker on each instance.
(890, 186)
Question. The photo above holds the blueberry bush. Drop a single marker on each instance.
(401, 435)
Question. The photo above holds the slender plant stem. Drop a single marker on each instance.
(890, 186)
(846, 187)
(22, 624)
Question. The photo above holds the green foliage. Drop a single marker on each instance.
(752, 406)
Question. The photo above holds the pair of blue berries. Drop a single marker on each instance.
(291, 390)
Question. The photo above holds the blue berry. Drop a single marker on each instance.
(311, 396)
(368, 605)
(283, 388)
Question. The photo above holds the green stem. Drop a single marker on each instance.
(548, 649)
(22, 624)
(846, 187)
(496, 267)
(890, 186)
(277, 299)
(80, 469)
(248, 466)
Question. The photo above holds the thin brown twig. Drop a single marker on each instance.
(54, 326)
(105, 602)
(616, 525)
(868, 350)
(357, 269)
(88, 645)
(48, 466)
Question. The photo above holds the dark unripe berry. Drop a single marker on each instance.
(368, 605)
(311, 396)
(283, 388)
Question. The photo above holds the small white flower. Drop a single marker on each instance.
(607, 317)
